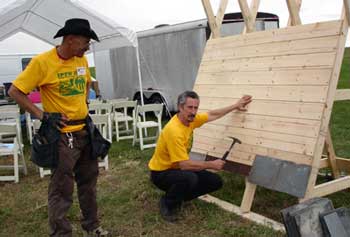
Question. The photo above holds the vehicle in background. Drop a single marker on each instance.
(170, 56)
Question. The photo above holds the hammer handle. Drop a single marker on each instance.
(225, 155)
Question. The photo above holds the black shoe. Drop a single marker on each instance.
(168, 214)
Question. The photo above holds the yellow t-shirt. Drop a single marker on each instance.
(174, 143)
(62, 85)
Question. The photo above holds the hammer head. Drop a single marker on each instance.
(235, 140)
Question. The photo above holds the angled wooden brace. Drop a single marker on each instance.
(293, 9)
(298, 2)
(215, 22)
(249, 18)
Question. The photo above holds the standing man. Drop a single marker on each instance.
(172, 171)
(63, 76)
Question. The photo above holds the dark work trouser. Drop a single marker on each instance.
(182, 185)
(73, 160)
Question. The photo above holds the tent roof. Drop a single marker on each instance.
(42, 19)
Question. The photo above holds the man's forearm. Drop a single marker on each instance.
(218, 113)
(24, 102)
(195, 165)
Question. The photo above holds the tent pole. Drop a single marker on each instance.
(140, 82)
(139, 73)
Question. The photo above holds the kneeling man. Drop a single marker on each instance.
(172, 171)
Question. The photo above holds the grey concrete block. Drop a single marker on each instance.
(280, 175)
(288, 216)
(307, 219)
(332, 226)
(336, 222)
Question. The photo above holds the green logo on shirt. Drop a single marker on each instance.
(72, 86)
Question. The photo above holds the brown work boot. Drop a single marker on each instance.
(96, 232)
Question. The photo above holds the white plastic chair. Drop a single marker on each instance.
(31, 130)
(101, 121)
(143, 124)
(103, 108)
(14, 149)
(121, 117)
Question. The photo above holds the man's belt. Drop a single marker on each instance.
(75, 122)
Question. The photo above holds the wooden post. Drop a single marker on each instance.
(248, 196)
(328, 109)
(247, 16)
(254, 6)
(221, 13)
(211, 19)
(289, 18)
(293, 12)
(331, 155)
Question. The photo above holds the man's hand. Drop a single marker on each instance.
(242, 102)
(56, 120)
(217, 164)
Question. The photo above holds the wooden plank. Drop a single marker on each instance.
(315, 30)
(295, 47)
(298, 2)
(347, 9)
(324, 163)
(249, 216)
(269, 63)
(287, 77)
(254, 5)
(328, 110)
(332, 156)
(342, 94)
(293, 12)
(248, 196)
(285, 109)
(211, 18)
(221, 13)
(247, 16)
(260, 92)
(330, 187)
(300, 127)
(285, 142)
(343, 164)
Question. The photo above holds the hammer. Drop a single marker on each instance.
(234, 140)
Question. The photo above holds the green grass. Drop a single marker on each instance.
(128, 202)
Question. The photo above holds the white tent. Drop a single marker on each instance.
(43, 18)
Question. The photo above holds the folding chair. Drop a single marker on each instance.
(101, 121)
(30, 123)
(103, 108)
(14, 149)
(120, 115)
(143, 123)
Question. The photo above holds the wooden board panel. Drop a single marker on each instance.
(299, 110)
(301, 127)
(286, 77)
(275, 140)
(270, 63)
(244, 153)
(260, 92)
(297, 47)
(315, 30)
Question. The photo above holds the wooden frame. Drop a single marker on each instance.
(232, 66)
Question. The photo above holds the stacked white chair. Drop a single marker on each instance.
(122, 119)
(101, 121)
(143, 124)
(11, 142)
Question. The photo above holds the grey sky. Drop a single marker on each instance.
(142, 15)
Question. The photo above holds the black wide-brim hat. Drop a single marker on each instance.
(77, 26)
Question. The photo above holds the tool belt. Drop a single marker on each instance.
(76, 122)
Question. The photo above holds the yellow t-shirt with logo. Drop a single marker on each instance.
(62, 85)
(174, 143)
